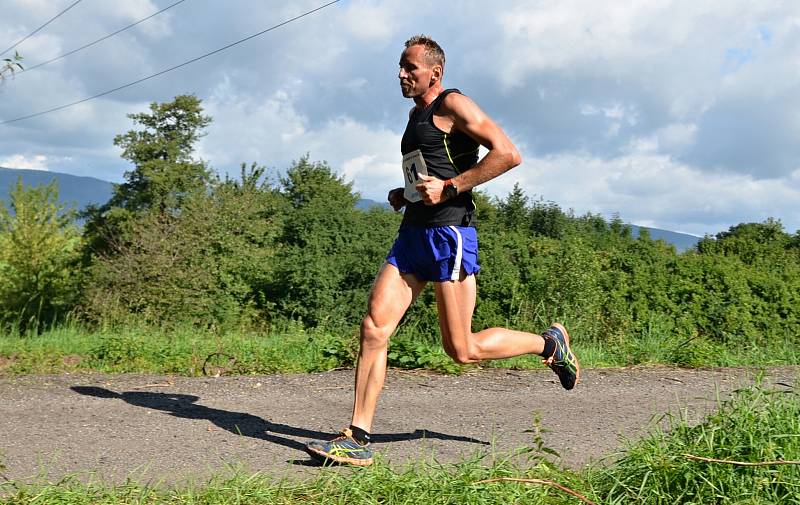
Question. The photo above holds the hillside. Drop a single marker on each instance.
(681, 241)
(73, 190)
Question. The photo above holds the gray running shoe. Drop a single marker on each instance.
(342, 449)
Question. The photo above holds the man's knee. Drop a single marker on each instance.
(464, 355)
(374, 335)
(462, 359)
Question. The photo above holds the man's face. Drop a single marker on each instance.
(416, 75)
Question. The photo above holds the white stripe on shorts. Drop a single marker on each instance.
(459, 252)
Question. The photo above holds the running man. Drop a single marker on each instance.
(437, 244)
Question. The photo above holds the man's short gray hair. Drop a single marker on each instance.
(434, 54)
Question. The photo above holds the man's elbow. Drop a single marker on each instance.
(512, 156)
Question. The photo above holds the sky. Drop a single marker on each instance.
(672, 114)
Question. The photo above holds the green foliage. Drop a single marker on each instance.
(177, 246)
(329, 250)
(164, 175)
(410, 354)
(161, 153)
(756, 425)
(178, 350)
(335, 352)
(116, 349)
(540, 264)
(200, 266)
(38, 257)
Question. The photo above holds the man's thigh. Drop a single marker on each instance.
(392, 294)
(455, 301)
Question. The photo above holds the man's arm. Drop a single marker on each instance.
(467, 117)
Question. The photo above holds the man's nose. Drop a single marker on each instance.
(402, 74)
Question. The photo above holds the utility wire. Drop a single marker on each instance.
(90, 44)
(36, 30)
(104, 93)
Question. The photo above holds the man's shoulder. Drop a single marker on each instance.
(455, 101)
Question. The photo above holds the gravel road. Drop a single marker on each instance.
(175, 430)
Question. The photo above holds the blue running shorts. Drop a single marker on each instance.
(436, 254)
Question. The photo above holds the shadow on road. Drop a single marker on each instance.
(241, 423)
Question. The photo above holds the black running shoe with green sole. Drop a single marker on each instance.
(563, 361)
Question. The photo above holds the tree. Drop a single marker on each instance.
(514, 209)
(165, 173)
(330, 250)
(38, 255)
(201, 266)
(547, 219)
(751, 242)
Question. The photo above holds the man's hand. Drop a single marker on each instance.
(396, 199)
(430, 189)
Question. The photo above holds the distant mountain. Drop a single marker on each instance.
(366, 204)
(72, 190)
(681, 241)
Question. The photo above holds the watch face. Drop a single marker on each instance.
(450, 192)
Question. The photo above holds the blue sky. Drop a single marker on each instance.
(673, 114)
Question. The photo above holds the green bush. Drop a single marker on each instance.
(412, 354)
(39, 252)
(114, 350)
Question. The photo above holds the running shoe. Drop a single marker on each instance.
(563, 362)
(342, 449)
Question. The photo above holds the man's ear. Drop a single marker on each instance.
(437, 74)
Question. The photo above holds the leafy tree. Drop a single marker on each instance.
(514, 209)
(330, 250)
(165, 173)
(38, 254)
(201, 266)
(547, 219)
(752, 242)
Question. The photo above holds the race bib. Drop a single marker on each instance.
(413, 165)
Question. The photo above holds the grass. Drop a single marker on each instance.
(755, 425)
(184, 351)
(181, 351)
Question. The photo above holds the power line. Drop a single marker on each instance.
(90, 44)
(104, 93)
(36, 30)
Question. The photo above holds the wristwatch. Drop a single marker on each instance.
(450, 190)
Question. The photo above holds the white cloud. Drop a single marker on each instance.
(656, 190)
(366, 155)
(676, 136)
(369, 22)
(272, 132)
(20, 161)
(134, 10)
(674, 114)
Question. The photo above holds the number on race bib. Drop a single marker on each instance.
(413, 165)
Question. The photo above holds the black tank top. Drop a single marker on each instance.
(446, 155)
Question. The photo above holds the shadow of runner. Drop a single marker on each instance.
(248, 425)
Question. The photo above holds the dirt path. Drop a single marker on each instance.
(155, 428)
